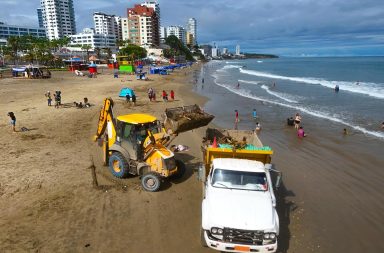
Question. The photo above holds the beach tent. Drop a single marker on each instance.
(125, 91)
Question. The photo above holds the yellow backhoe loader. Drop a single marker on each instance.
(137, 144)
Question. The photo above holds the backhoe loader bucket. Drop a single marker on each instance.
(186, 118)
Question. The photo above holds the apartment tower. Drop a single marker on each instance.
(143, 26)
(192, 29)
(58, 18)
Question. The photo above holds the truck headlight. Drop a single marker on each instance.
(270, 236)
(217, 231)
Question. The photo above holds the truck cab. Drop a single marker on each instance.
(238, 210)
(239, 204)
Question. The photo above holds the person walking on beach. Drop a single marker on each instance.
(254, 114)
(150, 94)
(49, 98)
(13, 120)
(134, 99)
(172, 95)
(236, 118)
(301, 133)
(128, 98)
(165, 96)
(238, 85)
(202, 80)
(297, 120)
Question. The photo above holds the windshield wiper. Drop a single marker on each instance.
(223, 185)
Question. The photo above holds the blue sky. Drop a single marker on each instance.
(282, 27)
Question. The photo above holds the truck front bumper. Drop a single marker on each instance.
(233, 247)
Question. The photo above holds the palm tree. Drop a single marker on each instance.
(14, 44)
(108, 51)
(98, 52)
(87, 48)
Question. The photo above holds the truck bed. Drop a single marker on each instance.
(240, 144)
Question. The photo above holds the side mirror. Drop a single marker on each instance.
(279, 175)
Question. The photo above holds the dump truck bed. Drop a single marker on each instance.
(240, 144)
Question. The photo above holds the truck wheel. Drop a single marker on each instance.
(180, 170)
(118, 165)
(151, 182)
(202, 238)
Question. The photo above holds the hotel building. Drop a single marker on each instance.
(13, 30)
(93, 39)
(192, 29)
(58, 18)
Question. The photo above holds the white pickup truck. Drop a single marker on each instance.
(238, 208)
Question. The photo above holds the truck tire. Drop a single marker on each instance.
(118, 165)
(202, 238)
(151, 182)
(180, 170)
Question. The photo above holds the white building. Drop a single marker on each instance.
(192, 29)
(93, 39)
(107, 24)
(163, 34)
(215, 52)
(178, 31)
(58, 18)
(124, 29)
(237, 49)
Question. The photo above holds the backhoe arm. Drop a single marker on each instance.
(106, 114)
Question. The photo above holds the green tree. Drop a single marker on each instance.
(133, 51)
(177, 48)
(108, 52)
(87, 48)
(98, 52)
(14, 46)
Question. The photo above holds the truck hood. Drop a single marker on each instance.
(241, 209)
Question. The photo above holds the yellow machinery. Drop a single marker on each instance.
(136, 144)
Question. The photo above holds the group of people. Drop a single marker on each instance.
(86, 104)
(164, 95)
(56, 96)
(296, 121)
(254, 115)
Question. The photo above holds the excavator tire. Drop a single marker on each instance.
(180, 170)
(118, 165)
(151, 182)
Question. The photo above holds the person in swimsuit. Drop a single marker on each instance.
(297, 120)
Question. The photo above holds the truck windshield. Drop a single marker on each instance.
(242, 180)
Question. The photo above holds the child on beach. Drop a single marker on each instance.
(301, 133)
(172, 95)
(254, 114)
(13, 120)
(134, 99)
(258, 127)
(49, 98)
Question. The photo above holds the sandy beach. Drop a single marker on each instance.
(48, 202)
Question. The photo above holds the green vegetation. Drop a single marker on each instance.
(33, 49)
(177, 48)
(133, 51)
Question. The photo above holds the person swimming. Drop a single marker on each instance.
(337, 88)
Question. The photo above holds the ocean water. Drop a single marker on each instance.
(303, 85)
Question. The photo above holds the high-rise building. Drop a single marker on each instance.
(190, 39)
(143, 25)
(107, 24)
(40, 17)
(163, 34)
(124, 29)
(192, 29)
(179, 32)
(58, 18)
(237, 49)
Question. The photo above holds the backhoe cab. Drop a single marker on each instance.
(136, 144)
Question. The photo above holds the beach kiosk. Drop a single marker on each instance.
(125, 64)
